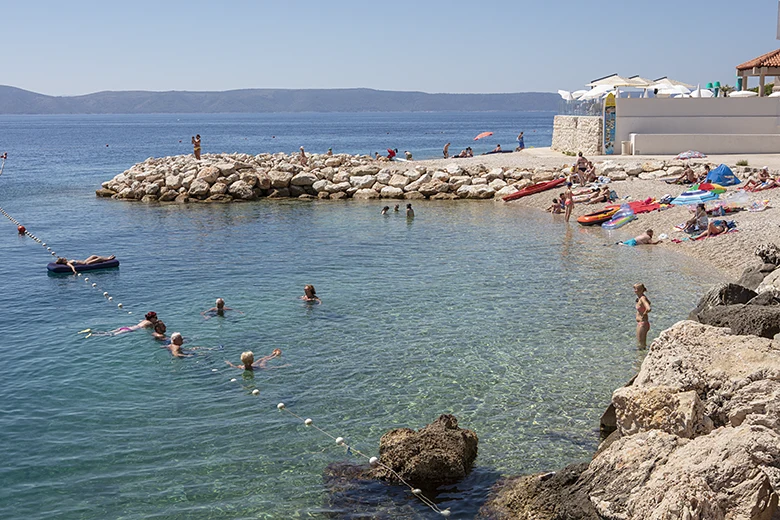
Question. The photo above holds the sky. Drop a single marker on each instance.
(80, 47)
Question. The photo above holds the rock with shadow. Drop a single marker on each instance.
(745, 320)
(720, 295)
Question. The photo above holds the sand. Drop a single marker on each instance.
(729, 253)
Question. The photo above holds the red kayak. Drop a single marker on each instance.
(598, 217)
(536, 188)
(640, 206)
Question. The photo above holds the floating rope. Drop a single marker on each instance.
(23, 231)
(373, 461)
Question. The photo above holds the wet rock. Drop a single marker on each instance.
(766, 298)
(105, 192)
(391, 192)
(241, 190)
(753, 320)
(722, 294)
(440, 453)
(220, 198)
(218, 188)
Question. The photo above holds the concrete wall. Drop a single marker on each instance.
(710, 125)
(577, 134)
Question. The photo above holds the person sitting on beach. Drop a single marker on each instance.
(704, 174)
(645, 238)
(716, 227)
(92, 259)
(408, 155)
(329, 153)
(561, 202)
(589, 175)
(385, 210)
(698, 222)
(688, 176)
(555, 207)
(249, 363)
(219, 310)
(461, 154)
(601, 196)
(497, 149)
(310, 294)
(446, 151)
(469, 152)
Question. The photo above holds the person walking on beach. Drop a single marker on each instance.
(196, 146)
(447, 151)
(568, 201)
(520, 143)
(642, 311)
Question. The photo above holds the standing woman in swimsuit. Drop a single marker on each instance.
(642, 318)
(568, 201)
(196, 146)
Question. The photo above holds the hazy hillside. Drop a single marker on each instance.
(17, 101)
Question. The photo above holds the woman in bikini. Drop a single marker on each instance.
(568, 201)
(92, 259)
(642, 318)
(196, 146)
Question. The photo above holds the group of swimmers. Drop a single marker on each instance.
(409, 210)
(174, 344)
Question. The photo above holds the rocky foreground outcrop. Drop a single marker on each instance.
(241, 177)
(698, 437)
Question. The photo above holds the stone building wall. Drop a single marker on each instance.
(577, 134)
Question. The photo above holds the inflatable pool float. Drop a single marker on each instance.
(618, 221)
(641, 206)
(536, 188)
(598, 217)
(62, 268)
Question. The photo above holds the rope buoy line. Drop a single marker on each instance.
(373, 461)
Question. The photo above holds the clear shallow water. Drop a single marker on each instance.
(519, 325)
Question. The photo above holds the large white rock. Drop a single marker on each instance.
(459, 180)
(495, 173)
(333, 162)
(497, 184)
(173, 181)
(383, 177)
(303, 179)
(415, 186)
(771, 282)
(280, 179)
(209, 174)
(652, 175)
(241, 190)
(506, 190)
(618, 175)
(482, 191)
(454, 169)
(366, 194)
(362, 181)
(478, 181)
(218, 188)
(365, 169)
(225, 168)
(198, 188)
(398, 181)
(336, 187)
(441, 176)
(391, 192)
(433, 187)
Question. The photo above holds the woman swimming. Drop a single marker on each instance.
(92, 259)
(249, 363)
(309, 294)
(642, 319)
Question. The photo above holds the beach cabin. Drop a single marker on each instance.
(671, 117)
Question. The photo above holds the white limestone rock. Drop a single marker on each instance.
(218, 188)
(478, 181)
(173, 181)
(482, 191)
(365, 194)
(303, 179)
(495, 173)
(497, 184)
(454, 169)
(391, 192)
(241, 190)
(198, 188)
(280, 179)
(362, 181)
(209, 174)
(398, 181)
(415, 186)
(457, 181)
(441, 176)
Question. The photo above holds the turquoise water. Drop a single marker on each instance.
(508, 318)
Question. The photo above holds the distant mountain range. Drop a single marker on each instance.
(17, 101)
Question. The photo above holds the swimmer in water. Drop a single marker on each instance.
(642, 319)
(92, 259)
(219, 310)
(159, 330)
(150, 319)
(309, 294)
(175, 346)
(249, 363)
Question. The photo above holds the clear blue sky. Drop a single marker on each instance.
(79, 47)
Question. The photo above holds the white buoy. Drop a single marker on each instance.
(280, 406)
(48, 248)
(86, 279)
(373, 461)
(94, 285)
(416, 491)
(110, 298)
(308, 422)
(44, 244)
(119, 305)
(105, 294)
(53, 253)
(233, 380)
(255, 392)
(339, 440)
(445, 513)
(214, 370)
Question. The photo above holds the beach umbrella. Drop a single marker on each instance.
(566, 95)
(743, 93)
(577, 94)
(690, 154)
(483, 134)
(774, 94)
(695, 197)
(709, 186)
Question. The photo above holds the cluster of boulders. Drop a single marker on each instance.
(239, 177)
(696, 433)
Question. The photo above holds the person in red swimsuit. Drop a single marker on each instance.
(391, 153)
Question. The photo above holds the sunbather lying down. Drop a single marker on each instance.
(716, 227)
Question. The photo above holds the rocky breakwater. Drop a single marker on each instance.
(697, 432)
(240, 177)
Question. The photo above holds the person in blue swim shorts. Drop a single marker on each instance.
(645, 238)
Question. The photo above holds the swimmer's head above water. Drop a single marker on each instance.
(248, 357)
(220, 303)
(151, 316)
(176, 338)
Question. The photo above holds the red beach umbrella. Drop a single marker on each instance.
(483, 134)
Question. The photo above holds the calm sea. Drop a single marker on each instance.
(515, 322)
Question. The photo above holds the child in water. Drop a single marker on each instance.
(555, 207)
